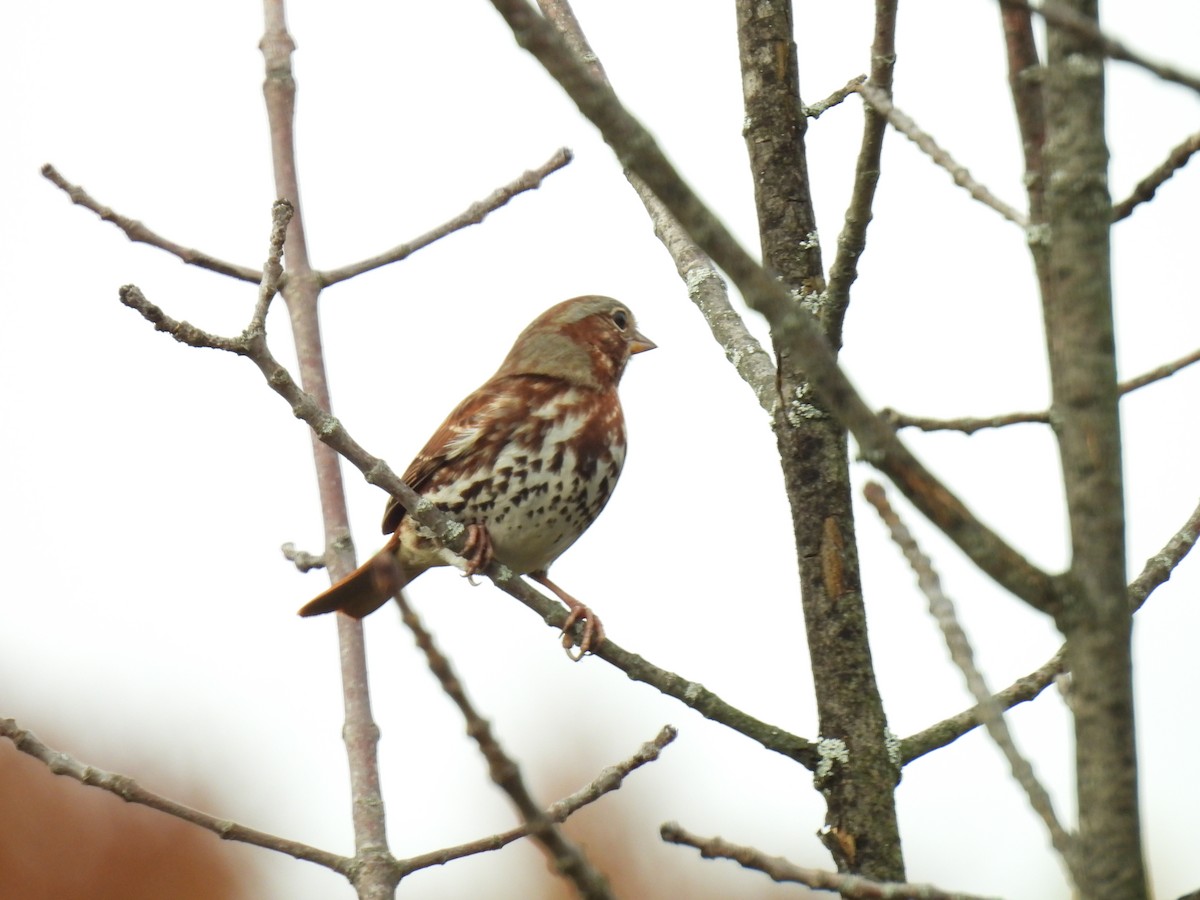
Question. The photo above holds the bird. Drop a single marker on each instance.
(526, 463)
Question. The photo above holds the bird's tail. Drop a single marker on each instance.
(366, 588)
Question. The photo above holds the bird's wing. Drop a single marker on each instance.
(467, 431)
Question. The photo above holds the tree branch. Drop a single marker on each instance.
(472, 215)
(969, 425)
(1157, 570)
(881, 103)
(130, 791)
(610, 779)
(569, 860)
(852, 240)
(941, 607)
(1146, 188)
(139, 233)
(854, 887)
(1063, 17)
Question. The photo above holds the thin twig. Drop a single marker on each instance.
(881, 103)
(949, 730)
(129, 790)
(1159, 567)
(854, 887)
(706, 287)
(822, 106)
(472, 215)
(1065, 18)
(941, 607)
(1146, 188)
(852, 239)
(139, 233)
(969, 425)
(610, 779)
(568, 858)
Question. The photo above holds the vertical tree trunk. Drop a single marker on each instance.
(1079, 329)
(859, 782)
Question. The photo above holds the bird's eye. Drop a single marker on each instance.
(621, 318)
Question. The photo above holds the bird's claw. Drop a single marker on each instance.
(477, 551)
(593, 632)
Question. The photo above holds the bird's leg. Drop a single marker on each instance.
(593, 629)
(477, 551)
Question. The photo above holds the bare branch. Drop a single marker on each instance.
(1146, 188)
(779, 869)
(568, 858)
(472, 215)
(139, 233)
(608, 780)
(130, 791)
(949, 730)
(1067, 19)
(821, 106)
(880, 102)
(1159, 567)
(941, 607)
(706, 287)
(969, 425)
(852, 240)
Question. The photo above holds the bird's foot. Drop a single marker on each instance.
(477, 551)
(593, 628)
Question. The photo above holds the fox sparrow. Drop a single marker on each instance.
(526, 462)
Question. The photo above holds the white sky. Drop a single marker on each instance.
(149, 614)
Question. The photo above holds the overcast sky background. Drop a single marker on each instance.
(148, 612)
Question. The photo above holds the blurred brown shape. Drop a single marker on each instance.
(61, 840)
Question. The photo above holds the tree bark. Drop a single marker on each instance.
(858, 778)
(1077, 305)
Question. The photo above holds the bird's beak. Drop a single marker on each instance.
(639, 343)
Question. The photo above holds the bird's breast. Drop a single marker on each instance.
(545, 485)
